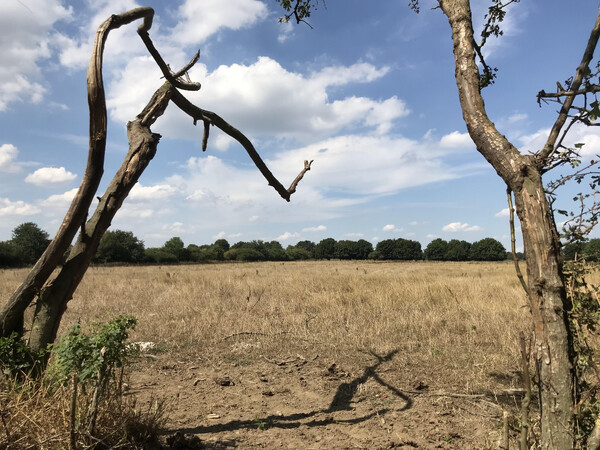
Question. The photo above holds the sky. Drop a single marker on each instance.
(367, 92)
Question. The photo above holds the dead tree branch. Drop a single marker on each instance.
(197, 113)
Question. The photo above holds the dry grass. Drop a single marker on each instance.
(457, 323)
(462, 319)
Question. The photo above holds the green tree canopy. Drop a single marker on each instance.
(487, 249)
(120, 246)
(30, 242)
(436, 250)
(325, 249)
(458, 250)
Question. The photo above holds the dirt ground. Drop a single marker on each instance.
(309, 401)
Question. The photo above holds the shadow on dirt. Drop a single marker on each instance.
(341, 401)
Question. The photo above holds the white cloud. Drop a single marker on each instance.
(579, 133)
(156, 192)
(199, 20)
(287, 235)
(286, 32)
(414, 223)
(504, 213)
(456, 139)
(315, 229)
(392, 228)
(253, 219)
(261, 99)
(8, 157)
(458, 227)
(59, 201)
(25, 41)
(18, 208)
(50, 176)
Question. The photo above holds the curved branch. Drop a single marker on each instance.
(12, 314)
(172, 78)
(588, 54)
(210, 117)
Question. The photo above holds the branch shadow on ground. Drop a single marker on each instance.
(341, 402)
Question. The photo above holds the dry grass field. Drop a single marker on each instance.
(319, 354)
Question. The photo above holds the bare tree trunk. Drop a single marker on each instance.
(11, 316)
(55, 295)
(545, 285)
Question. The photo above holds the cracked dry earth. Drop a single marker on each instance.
(310, 402)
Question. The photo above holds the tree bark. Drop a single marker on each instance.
(545, 286)
(56, 294)
(11, 316)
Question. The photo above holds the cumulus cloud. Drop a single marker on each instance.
(354, 235)
(579, 133)
(287, 235)
(8, 158)
(156, 192)
(458, 227)
(504, 213)
(262, 98)
(456, 139)
(199, 20)
(392, 228)
(60, 201)
(50, 176)
(315, 229)
(24, 42)
(18, 208)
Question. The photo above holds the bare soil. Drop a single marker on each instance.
(308, 401)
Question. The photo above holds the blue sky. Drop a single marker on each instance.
(368, 93)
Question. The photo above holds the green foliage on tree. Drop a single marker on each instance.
(398, 249)
(591, 250)
(487, 249)
(458, 250)
(176, 247)
(9, 255)
(30, 242)
(159, 256)
(309, 246)
(325, 249)
(295, 253)
(222, 244)
(352, 249)
(120, 246)
(436, 250)
(572, 250)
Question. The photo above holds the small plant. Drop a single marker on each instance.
(260, 424)
(93, 360)
(16, 357)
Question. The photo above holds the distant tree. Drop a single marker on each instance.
(309, 246)
(572, 249)
(487, 249)
(344, 250)
(325, 249)
(30, 242)
(9, 255)
(386, 249)
(120, 246)
(176, 246)
(458, 250)
(274, 251)
(205, 253)
(295, 253)
(408, 250)
(363, 249)
(222, 244)
(159, 256)
(247, 253)
(591, 250)
(436, 250)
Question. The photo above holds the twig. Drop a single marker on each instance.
(72, 436)
(197, 113)
(505, 435)
(511, 212)
(254, 333)
(526, 402)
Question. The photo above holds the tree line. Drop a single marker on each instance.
(29, 242)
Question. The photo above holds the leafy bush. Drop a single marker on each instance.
(16, 357)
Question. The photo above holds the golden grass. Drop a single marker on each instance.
(461, 319)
